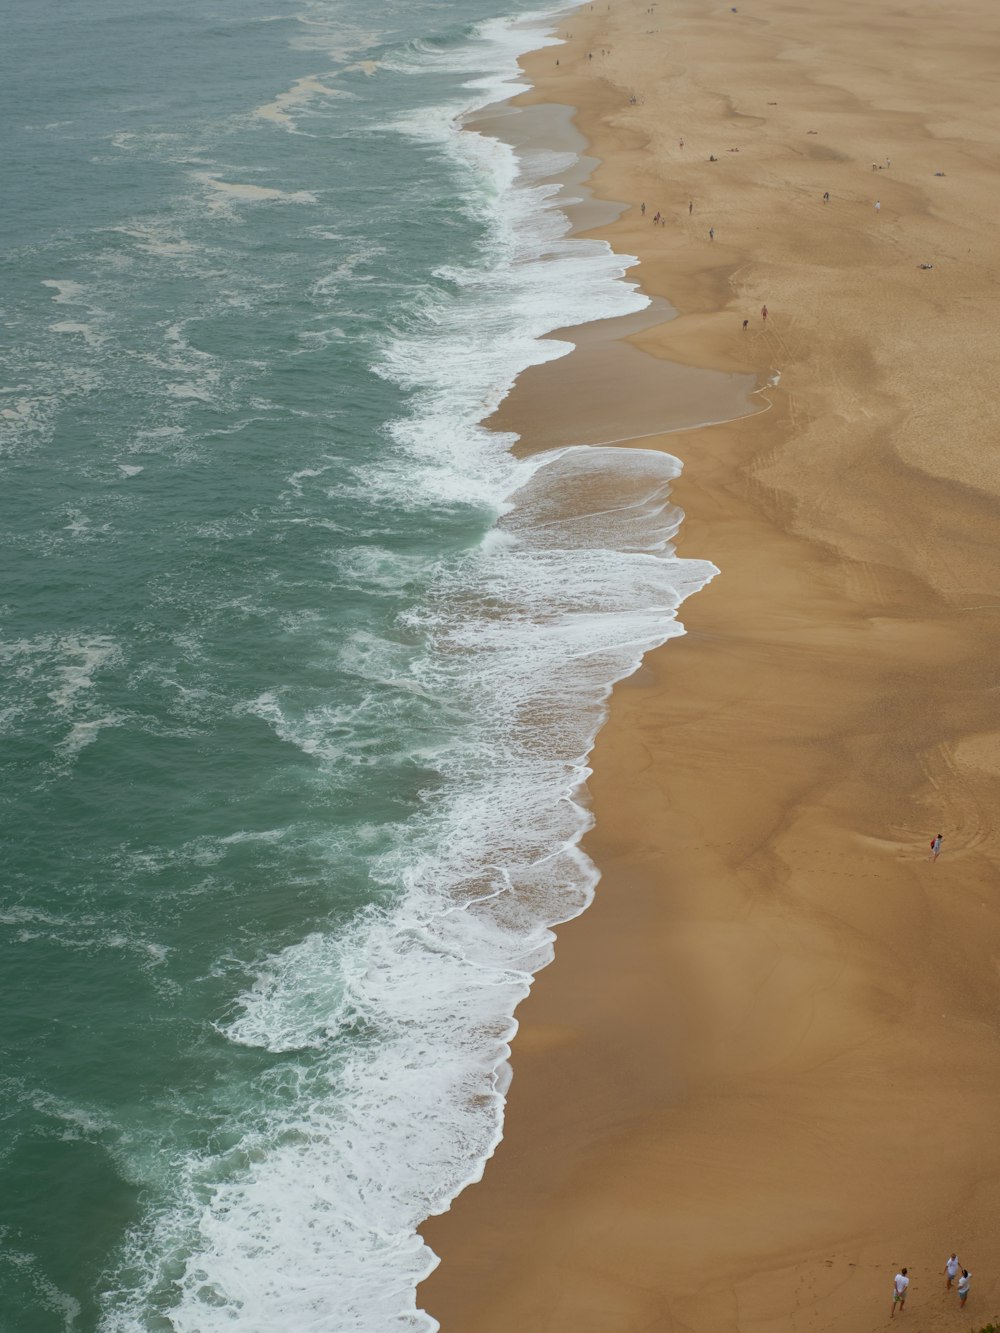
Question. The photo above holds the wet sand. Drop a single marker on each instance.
(763, 1071)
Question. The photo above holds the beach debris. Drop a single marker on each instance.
(925, 266)
(939, 173)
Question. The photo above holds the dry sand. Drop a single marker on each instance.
(763, 1071)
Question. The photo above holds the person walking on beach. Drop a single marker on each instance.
(878, 205)
(826, 196)
(690, 207)
(711, 233)
(642, 209)
(936, 847)
(899, 1284)
(963, 1287)
(951, 1268)
(763, 313)
(746, 324)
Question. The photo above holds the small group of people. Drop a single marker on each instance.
(955, 1274)
(660, 218)
(763, 315)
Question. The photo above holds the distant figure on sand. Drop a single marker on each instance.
(878, 205)
(899, 1284)
(690, 207)
(746, 325)
(826, 196)
(951, 1268)
(682, 143)
(936, 847)
(963, 1287)
(642, 208)
(711, 233)
(763, 313)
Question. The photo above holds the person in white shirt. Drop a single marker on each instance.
(951, 1268)
(899, 1284)
(963, 1286)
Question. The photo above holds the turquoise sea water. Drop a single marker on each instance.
(291, 727)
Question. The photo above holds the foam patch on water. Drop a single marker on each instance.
(66, 291)
(243, 192)
(70, 661)
(300, 96)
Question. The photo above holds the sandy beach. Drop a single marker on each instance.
(763, 1071)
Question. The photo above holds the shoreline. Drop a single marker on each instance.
(766, 1017)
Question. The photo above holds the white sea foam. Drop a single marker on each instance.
(303, 92)
(157, 239)
(89, 335)
(390, 1035)
(82, 734)
(46, 1295)
(70, 662)
(66, 291)
(244, 192)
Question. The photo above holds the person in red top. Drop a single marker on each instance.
(763, 313)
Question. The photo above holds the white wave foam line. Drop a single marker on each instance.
(460, 351)
(311, 1224)
(389, 1037)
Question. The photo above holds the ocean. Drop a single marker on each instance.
(301, 666)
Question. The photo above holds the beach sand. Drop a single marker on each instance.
(763, 1071)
